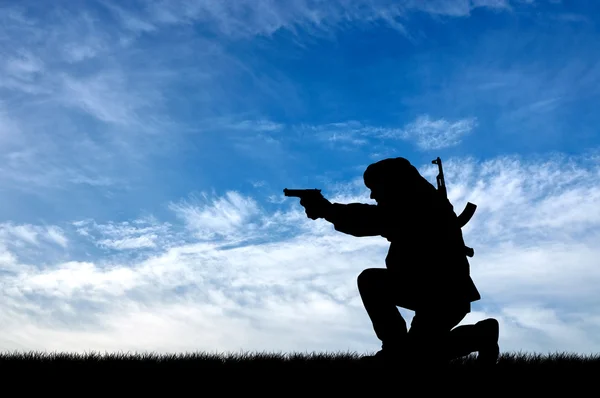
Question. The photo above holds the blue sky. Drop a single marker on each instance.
(145, 146)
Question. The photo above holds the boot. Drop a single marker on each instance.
(481, 337)
(488, 332)
(388, 355)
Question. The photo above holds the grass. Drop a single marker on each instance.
(341, 368)
(222, 361)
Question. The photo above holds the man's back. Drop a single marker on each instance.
(426, 245)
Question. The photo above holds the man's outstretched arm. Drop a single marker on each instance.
(357, 219)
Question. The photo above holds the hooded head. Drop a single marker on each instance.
(392, 179)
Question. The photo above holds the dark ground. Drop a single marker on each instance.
(264, 372)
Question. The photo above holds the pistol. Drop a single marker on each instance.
(307, 195)
(302, 193)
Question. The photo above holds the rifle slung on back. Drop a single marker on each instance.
(467, 213)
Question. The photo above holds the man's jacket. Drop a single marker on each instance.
(426, 258)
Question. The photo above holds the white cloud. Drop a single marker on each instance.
(224, 217)
(436, 134)
(527, 196)
(258, 125)
(249, 125)
(145, 233)
(57, 235)
(8, 261)
(109, 97)
(27, 234)
(427, 133)
(349, 134)
(130, 243)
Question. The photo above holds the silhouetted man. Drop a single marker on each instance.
(427, 270)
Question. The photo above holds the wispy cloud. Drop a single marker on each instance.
(436, 134)
(46, 144)
(224, 217)
(242, 19)
(138, 234)
(57, 235)
(345, 134)
(459, 8)
(29, 234)
(249, 18)
(107, 97)
(425, 132)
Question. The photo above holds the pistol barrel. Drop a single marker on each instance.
(300, 192)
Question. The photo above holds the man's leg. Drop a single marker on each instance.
(376, 292)
(431, 336)
(429, 333)
(481, 337)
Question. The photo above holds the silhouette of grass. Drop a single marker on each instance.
(341, 371)
(280, 360)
